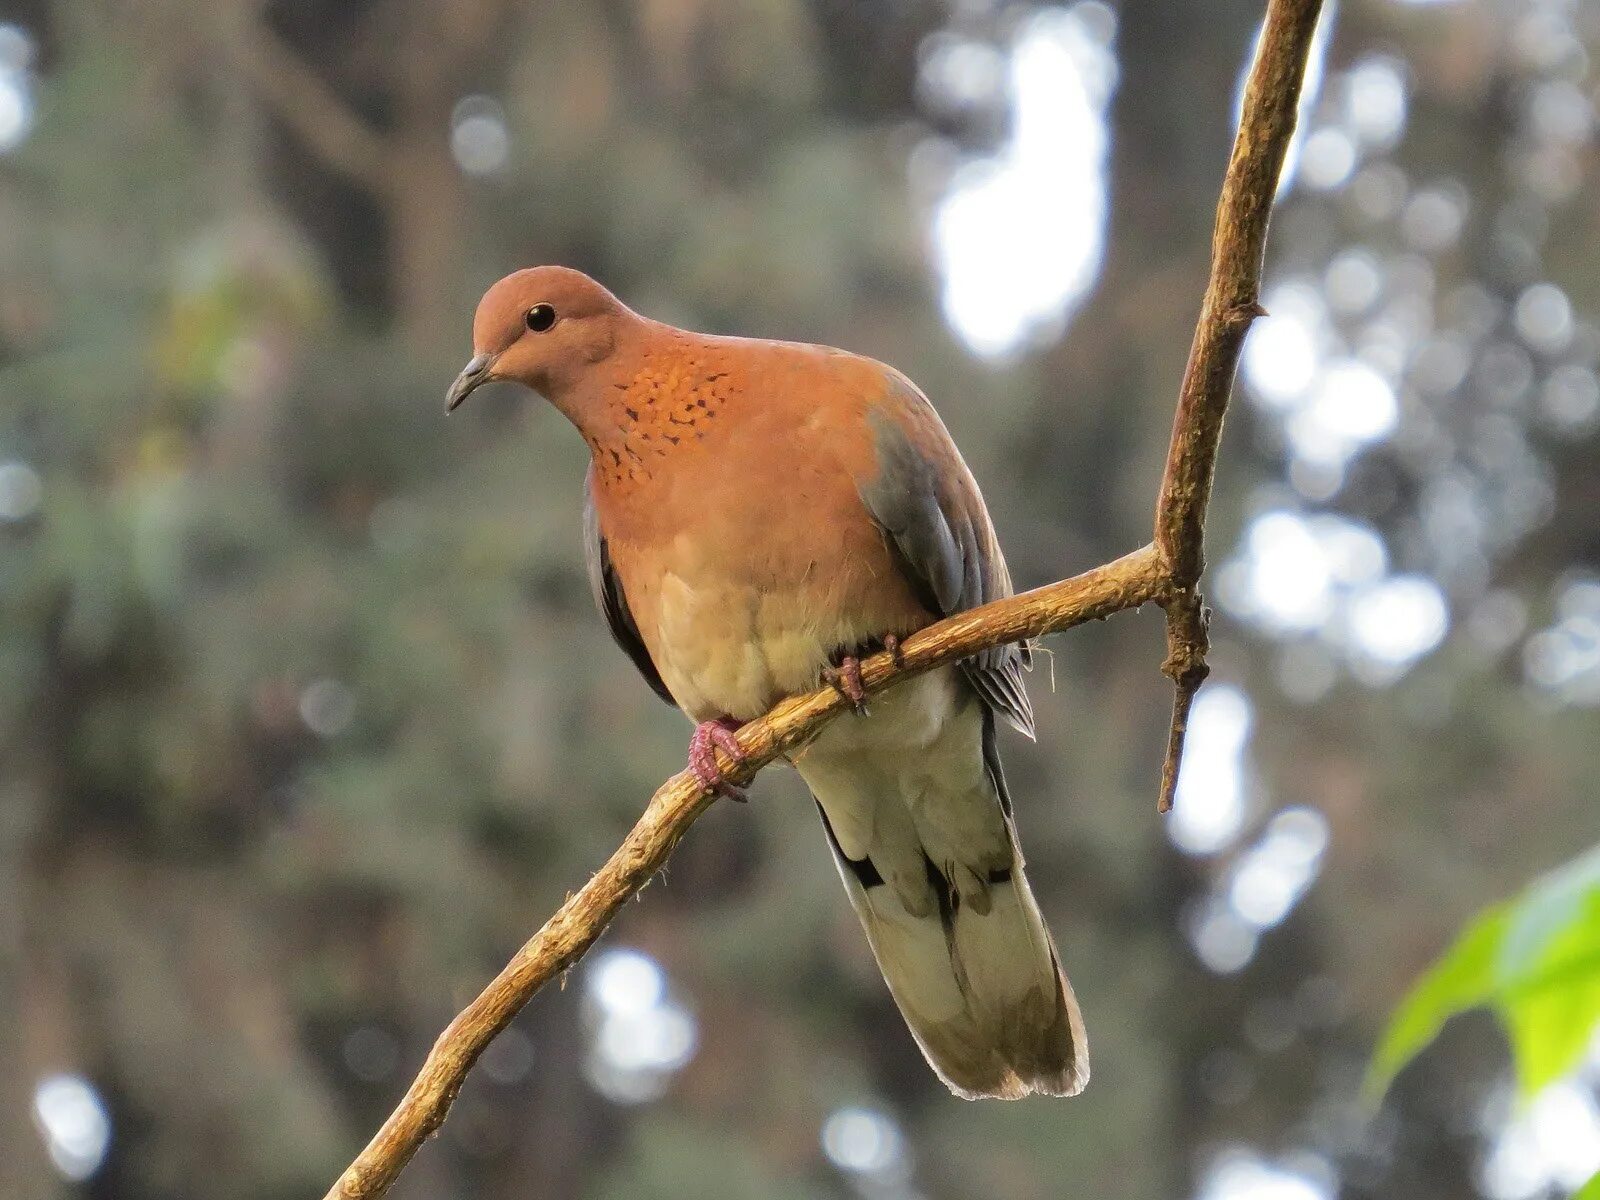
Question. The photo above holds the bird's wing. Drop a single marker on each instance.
(925, 500)
(608, 597)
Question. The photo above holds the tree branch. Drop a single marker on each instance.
(1166, 571)
(1271, 99)
(1126, 583)
(306, 104)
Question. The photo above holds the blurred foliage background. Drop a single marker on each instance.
(307, 720)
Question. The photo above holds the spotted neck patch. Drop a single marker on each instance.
(672, 403)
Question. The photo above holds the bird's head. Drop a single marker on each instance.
(543, 327)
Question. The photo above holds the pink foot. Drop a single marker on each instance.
(709, 737)
(846, 680)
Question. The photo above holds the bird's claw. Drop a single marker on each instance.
(846, 680)
(708, 738)
(891, 643)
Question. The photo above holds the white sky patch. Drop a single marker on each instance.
(74, 1123)
(1272, 876)
(1239, 1173)
(1560, 112)
(1398, 620)
(1330, 377)
(1259, 890)
(1209, 808)
(1554, 1143)
(1375, 101)
(1019, 237)
(1327, 159)
(1222, 940)
(1284, 351)
(1332, 404)
(1282, 579)
(1351, 406)
(1267, 879)
(626, 982)
(1327, 365)
(1297, 575)
(16, 91)
(16, 111)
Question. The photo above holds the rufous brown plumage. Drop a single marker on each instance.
(760, 513)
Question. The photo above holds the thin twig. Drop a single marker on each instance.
(1186, 666)
(1271, 98)
(1166, 571)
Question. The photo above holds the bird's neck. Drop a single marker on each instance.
(651, 408)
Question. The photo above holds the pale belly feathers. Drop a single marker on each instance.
(733, 647)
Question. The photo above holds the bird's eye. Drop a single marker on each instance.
(540, 317)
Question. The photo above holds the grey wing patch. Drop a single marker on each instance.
(904, 501)
(948, 550)
(608, 597)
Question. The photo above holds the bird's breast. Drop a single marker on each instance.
(747, 555)
(746, 602)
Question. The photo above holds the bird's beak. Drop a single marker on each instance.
(477, 372)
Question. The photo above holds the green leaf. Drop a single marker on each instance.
(1589, 1191)
(1464, 978)
(1547, 908)
(1551, 1007)
(1534, 960)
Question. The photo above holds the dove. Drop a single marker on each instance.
(759, 516)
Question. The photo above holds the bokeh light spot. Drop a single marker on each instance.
(20, 491)
(1398, 620)
(16, 92)
(1019, 236)
(863, 1141)
(479, 136)
(640, 1038)
(74, 1122)
(1209, 807)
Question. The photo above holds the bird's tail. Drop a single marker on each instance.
(975, 973)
